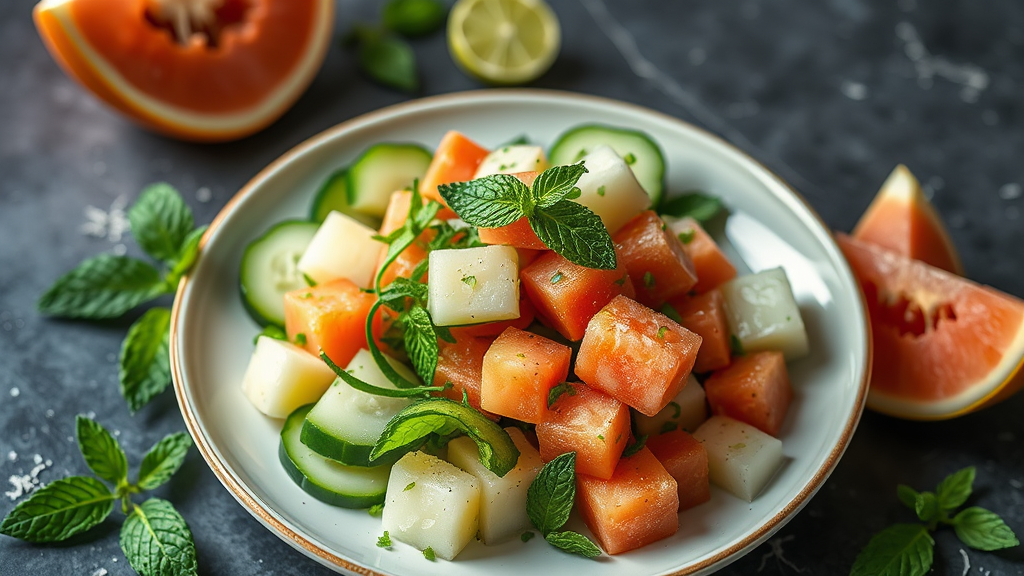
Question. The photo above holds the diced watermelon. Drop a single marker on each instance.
(455, 160)
(755, 389)
(655, 258)
(462, 365)
(712, 266)
(330, 317)
(519, 370)
(568, 295)
(637, 355)
(687, 461)
(526, 315)
(528, 256)
(590, 423)
(704, 315)
(635, 507)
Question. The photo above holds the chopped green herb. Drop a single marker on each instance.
(635, 447)
(521, 355)
(557, 278)
(600, 190)
(687, 236)
(409, 486)
(300, 339)
(384, 541)
(669, 426)
(664, 226)
(629, 158)
(469, 281)
(503, 167)
(600, 437)
(736, 346)
(307, 295)
(661, 332)
(376, 509)
(557, 391)
(676, 408)
(668, 310)
(526, 536)
(428, 553)
(700, 207)
(622, 280)
(308, 280)
(648, 280)
(789, 318)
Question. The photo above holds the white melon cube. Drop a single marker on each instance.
(473, 285)
(512, 159)
(741, 458)
(341, 248)
(686, 411)
(503, 499)
(359, 417)
(763, 313)
(610, 189)
(281, 377)
(432, 503)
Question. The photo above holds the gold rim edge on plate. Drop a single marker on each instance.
(260, 511)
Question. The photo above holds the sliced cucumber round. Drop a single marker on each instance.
(269, 269)
(333, 196)
(639, 150)
(382, 170)
(325, 479)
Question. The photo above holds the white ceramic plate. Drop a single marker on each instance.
(211, 339)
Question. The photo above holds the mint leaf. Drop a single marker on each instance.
(163, 460)
(145, 368)
(105, 286)
(157, 542)
(573, 543)
(412, 426)
(186, 255)
(549, 498)
(983, 530)
(556, 392)
(414, 17)
(670, 311)
(59, 510)
(926, 506)
(101, 451)
(161, 221)
(420, 342)
(899, 550)
(907, 495)
(417, 391)
(555, 183)
(388, 60)
(576, 233)
(271, 331)
(489, 202)
(700, 207)
(635, 447)
(955, 489)
(394, 295)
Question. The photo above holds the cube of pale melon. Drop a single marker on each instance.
(763, 313)
(512, 159)
(473, 285)
(610, 189)
(741, 458)
(432, 503)
(502, 499)
(359, 417)
(686, 411)
(281, 377)
(341, 248)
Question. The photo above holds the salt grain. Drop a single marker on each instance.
(15, 392)
(26, 483)
(12, 456)
(1010, 191)
(90, 415)
(49, 413)
(100, 572)
(853, 90)
(204, 195)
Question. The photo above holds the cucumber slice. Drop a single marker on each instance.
(346, 423)
(648, 162)
(382, 170)
(325, 479)
(333, 195)
(269, 269)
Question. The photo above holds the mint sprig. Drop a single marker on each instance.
(549, 501)
(154, 537)
(908, 549)
(569, 228)
(145, 367)
(382, 52)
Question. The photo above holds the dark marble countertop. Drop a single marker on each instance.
(830, 94)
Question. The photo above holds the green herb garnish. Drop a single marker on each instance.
(629, 158)
(384, 541)
(376, 509)
(428, 553)
(669, 426)
(735, 346)
(549, 501)
(649, 280)
(526, 536)
(469, 281)
(662, 331)
(409, 486)
(300, 339)
(556, 392)
(635, 447)
(696, 205)
(600, 190)
(687, 236)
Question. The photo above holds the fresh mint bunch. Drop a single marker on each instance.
(154, 537)
(549, 501)
(908, 549)
(109, 286)
(382, 52)
(569, 228)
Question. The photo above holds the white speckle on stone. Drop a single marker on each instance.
(1012, 213)
(907, 5)
(1016, 484)
(37, 459)
(853, 90)
(990, 117)
(119, 250)
(26, 483)
(1010, 191)
(99, 572)
(697, 56)
(15, 392)
(90, 415)
(972, 79)
(71, 438)
(116, 433)
(967, 562)
(110, 224)
(114, 559)
(203, 195)
(49, 413)
(12, 456)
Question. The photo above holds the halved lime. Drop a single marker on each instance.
(504, 41)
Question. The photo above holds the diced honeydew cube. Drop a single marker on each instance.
(686, 411)
(610, 189)
(763, 314)
(432, 503)
(512, 159)
(359, 417)
(473, 285)
(341, 248)
(741, 458)
(502, 499)
(281, 377)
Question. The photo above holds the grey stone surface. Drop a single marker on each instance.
(831, 94)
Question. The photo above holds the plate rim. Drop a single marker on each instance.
(260, 510)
